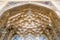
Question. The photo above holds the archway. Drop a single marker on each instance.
(29, 19)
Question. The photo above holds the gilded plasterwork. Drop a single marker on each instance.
(28, 20)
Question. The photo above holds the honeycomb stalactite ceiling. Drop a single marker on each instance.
(29, 21)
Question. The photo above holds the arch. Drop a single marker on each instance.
(27, 14)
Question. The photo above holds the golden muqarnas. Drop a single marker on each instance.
(29, 19)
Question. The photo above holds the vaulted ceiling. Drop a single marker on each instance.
(29, 19)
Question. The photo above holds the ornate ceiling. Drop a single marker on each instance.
(29, 22)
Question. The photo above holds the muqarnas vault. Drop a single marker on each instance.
(29, 22)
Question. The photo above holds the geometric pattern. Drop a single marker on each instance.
(28, 22)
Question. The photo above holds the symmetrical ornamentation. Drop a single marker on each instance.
(28, 22)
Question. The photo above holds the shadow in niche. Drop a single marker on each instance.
(17, 37)
(30, 37)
